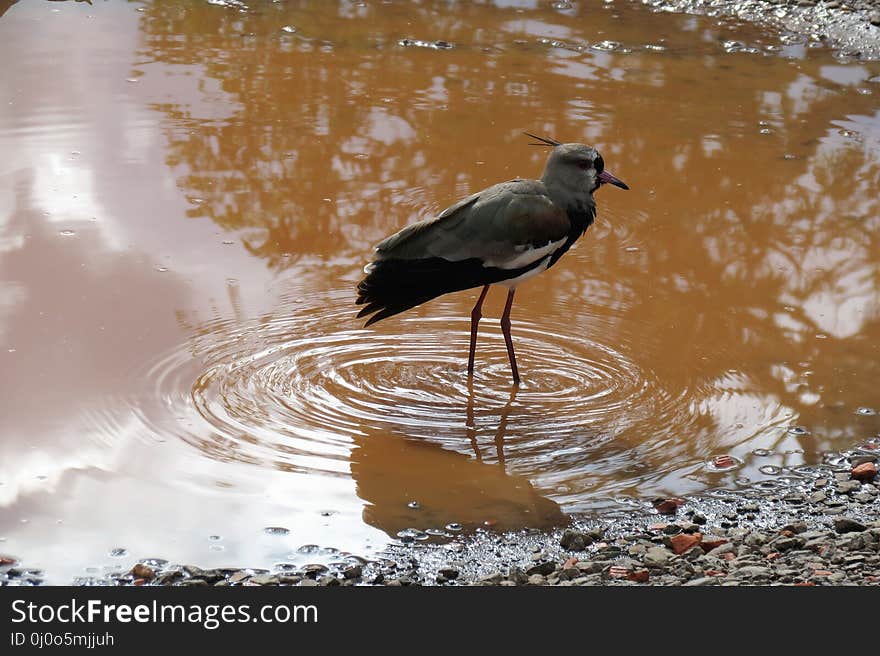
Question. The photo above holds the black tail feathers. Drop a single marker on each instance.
(393, 286)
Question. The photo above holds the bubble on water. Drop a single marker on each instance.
(276, 530)
(609, 46)
(866, 412)
(761, 453)
(228, 242)
(418, 43)
(409, 534)
(10, 350)
(789, 156)
(849, 134)
(67, 233)
(765, 131)
(797, 430)
(415, 505)
(632, 249)
(131, 79)
(232, 282)
(308, 549)
(453, 526)
(214, 538)
(161, 269)
(655, 47)
(290, 29)
(118, 552)
(864, 92)
(770, 470)
(562, 6)
(436, 532)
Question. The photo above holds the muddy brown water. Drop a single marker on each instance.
(188, 194)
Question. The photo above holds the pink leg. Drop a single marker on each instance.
(505, 328)
(476, 315)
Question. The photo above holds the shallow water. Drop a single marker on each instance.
(189, 193)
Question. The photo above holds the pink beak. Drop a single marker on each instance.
(606, 178)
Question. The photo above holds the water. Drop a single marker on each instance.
(178, 258)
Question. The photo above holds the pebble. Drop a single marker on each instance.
(866, 471)
(545, 568)
(703, 580)
(753, 571)
(575, 540)
(848, 525)
(141, 571)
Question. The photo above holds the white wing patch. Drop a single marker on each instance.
(524, 256)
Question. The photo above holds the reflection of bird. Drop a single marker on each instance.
(502, 235)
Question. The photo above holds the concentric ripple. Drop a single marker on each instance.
(299, 391)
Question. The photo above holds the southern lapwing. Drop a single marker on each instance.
(502, 235)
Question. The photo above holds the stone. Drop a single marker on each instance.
(264, 579)
(721, 549)
(618, 572)
(639, 576)
(449, 573)
(668, 506)
(575, 540)
(704, 580)
(657, 557)
(848, 525)
(684, 541)
(239, 576)
(712, 542)
(786, 544)
(142, 571)
(753, 571)
(865, 471)
(355, 572)
(544, 568)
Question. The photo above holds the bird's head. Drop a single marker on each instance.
(576, 167)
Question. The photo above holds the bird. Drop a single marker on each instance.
(502, 235)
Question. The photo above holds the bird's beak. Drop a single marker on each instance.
(606, 178)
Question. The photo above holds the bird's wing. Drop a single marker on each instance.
(508, 226)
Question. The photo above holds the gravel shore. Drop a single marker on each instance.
(850, 27)
(814, 525)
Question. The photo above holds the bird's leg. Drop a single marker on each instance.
(476, 315)
(505, 328)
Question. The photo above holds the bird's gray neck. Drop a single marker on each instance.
(575, 200)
